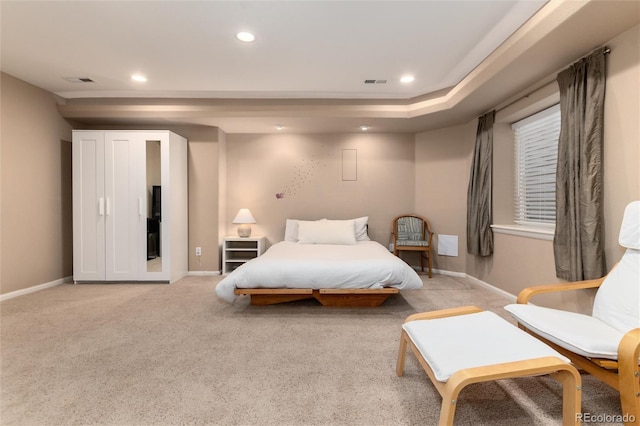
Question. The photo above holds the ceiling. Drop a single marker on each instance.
(307, 68)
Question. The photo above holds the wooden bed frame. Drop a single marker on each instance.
(343, 298)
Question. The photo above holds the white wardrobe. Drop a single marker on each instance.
(130, 206)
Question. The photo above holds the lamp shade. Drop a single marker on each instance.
(244, 216)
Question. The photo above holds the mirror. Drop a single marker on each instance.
(154, 207)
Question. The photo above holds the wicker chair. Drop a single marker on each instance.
(410, 232)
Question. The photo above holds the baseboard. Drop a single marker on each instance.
(450, 273)
(33, 289)
(478, 282)
(203, 273)
(488, 286)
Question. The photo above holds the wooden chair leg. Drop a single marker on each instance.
(402, 352)
(427, 255)
(629, 376)
(422, 261)
(630, 399)
(448, 409)
(571, 396)
(450, 392)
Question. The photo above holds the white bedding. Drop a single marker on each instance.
(286, 264)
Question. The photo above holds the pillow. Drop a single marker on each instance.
(339, 232)
(361, 229)
(291, 229)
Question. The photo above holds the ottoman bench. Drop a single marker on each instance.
(460, 346)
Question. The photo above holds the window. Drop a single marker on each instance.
(536, 159)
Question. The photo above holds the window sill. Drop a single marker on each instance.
(525, 231)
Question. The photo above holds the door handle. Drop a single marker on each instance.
(101, 206)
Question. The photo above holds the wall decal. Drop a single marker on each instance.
(306, 170)
(303, 174)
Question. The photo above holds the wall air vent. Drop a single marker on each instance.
(375, 82)
(78, 80)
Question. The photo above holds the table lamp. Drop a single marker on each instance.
(244, 218)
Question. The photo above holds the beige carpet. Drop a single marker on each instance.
(149, 354)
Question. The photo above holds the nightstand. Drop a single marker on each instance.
(238, 250)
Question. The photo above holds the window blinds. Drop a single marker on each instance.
(536, 159)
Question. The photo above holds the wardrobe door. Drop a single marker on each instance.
(124, 189)
(89, 206)
(165, 241)
(154, 262)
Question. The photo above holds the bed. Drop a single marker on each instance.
(333, 262)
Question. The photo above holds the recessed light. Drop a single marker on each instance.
(139, 78)
(245, 36)
(279, 126)
(364, 127)
(407, 79)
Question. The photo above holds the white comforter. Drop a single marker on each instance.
(292, 265)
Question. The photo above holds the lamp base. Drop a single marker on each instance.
(244, 230)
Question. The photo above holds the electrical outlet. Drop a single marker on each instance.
(198, 251)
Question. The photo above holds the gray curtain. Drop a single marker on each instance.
(479, 206)
(578, 243)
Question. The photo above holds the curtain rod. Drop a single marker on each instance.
(606, 52)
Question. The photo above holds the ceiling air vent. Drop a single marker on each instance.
(375, 82)
(78, 80)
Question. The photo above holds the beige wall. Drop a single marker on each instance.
(203, 195)
(307, 170)
(222, 187)
(519, 262)
(36, 234)
(621, 135)
(443, 159)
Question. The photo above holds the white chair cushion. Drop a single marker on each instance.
(455, 343)
(629, 236)
(617, 301)
(579, 333)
